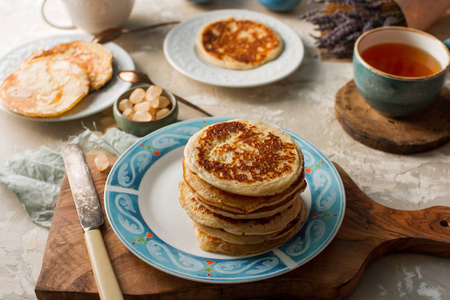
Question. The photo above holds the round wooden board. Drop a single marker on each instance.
(421, 132)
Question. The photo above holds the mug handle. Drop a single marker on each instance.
(49, 22)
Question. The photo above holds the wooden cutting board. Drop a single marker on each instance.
(368, 231)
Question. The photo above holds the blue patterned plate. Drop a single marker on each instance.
(141, 200)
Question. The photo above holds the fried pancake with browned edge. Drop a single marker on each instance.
(44, 87)
(244, 157)
(267, 225)
(94, 59)
(214, 244)
(254, 239)
(238, 44)
(239, 206)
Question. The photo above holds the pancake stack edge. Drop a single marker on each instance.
(241, 187)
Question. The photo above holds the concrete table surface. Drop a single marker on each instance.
(302, 103)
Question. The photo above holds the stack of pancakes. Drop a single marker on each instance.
(241, 187)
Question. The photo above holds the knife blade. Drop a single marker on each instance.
(91, 217)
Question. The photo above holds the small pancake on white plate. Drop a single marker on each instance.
(238, 43)
(44, 87)
(94, 58)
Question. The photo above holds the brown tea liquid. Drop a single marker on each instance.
(401, 60)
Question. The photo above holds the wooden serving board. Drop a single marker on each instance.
(421, 132)
(368, 231)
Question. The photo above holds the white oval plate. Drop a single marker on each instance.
(141, 202)
(92, 103)
(179, 49)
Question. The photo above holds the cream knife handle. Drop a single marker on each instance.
(107, 284)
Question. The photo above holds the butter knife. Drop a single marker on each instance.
(91, 217)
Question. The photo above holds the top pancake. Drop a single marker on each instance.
(244, 157)
(93, 58)
(238, 44)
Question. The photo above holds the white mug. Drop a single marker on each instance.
(93, 16)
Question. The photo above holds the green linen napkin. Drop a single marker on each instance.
(35, 177)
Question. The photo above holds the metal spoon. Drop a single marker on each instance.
(141, 77)
(109, 35)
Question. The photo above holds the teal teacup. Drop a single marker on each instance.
(392, 93)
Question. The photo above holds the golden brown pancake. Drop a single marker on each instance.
(244, 157)
(239, 206)
(267, 225)
(238, 44)
(263, 212)
(253, 239)
(44, 87)
(94, 58)
(214, 244)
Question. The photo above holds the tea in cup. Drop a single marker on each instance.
(399, 71)
(92, 16)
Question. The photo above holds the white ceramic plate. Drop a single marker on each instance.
(89, 105)
(141, 201)
(179, 49)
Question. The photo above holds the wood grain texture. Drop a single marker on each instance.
(368, 231)
(421, 132)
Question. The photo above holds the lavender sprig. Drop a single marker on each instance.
(342, 28)
(310, 14)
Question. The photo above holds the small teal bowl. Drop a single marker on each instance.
(397, 96)
(143, 128)
(280, 5)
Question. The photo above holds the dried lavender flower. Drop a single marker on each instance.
(310, 13)
(342, 28)
(353, 36)
(335, 17)
(371, 24)
(341, 32)
(341, 51)
(390, 21)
